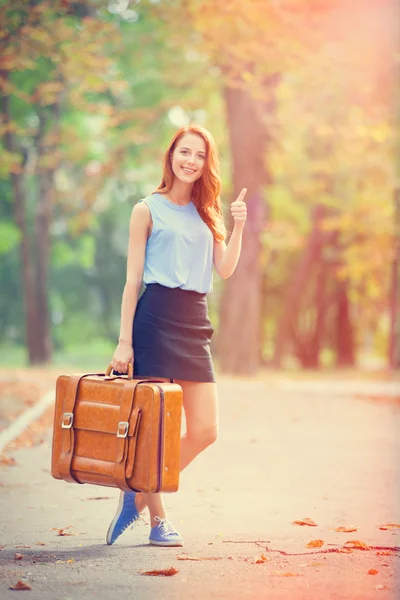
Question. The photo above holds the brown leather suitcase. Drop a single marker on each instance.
(117, 432)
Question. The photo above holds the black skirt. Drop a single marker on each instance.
(171, 335)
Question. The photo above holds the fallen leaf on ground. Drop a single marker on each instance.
(40, 544)
(257, 560)
(64, 562)
(20, 585)
(189, 557)
(372, 572)
(280, 574)
(385, 553)
(305, 521)
(348, 529)
(164, 572)
(381, 586)
(316, 564)
(262, 559)
(356, 544)
(390, 526)
(18, 556)
(7, 460)
(345, 550)
(315, 544)
(62, 531)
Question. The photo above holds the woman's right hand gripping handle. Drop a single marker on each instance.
(123, 355)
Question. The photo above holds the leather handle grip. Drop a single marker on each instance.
(110, 368)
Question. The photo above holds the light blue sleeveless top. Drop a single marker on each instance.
(179, 251)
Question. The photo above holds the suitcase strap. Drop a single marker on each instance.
(129, 419)
(127, 430)
(68, 434)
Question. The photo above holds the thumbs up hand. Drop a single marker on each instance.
(239, 210)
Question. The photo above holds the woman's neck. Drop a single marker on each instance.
(180, 193)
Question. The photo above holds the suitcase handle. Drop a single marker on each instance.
(110, 369)
(130, 375)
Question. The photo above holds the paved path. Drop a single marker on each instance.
(282, 454)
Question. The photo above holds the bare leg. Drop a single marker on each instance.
(200, 403)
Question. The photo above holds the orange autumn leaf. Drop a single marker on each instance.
(18, 556)
(345, 550)
(305, 521)
(7, 460)
(163, 572)
(62, 531)
(315, 544)
(262, 559)
(385, 553)
(372, 572)
(356, 544)
(348, 529)
(64, 562)
(40, 544)
(20, 585)
(390, 526)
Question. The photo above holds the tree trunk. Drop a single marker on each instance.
(311, 255)
(32, 333)
(344, 330)
(34, 256)
(43, 216)
(239, 333)
(42, 226)
(308, 326)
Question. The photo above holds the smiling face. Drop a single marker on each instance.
(188, 158)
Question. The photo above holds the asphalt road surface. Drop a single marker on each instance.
(284, 453)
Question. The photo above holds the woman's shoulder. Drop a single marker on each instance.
(142, 209)
(149, 200)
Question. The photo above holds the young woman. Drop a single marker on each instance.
(176, 235)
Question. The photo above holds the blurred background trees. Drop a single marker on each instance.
(301, 98)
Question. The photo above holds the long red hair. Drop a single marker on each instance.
(206, 189)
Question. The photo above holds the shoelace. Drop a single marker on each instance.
(140, 518)
(165, 526)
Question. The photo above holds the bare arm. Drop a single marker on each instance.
(139, 228)
(226, 257)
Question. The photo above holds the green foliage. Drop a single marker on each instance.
(96, 91)
(9, 237)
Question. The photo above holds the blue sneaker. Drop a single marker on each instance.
(126, 515)
(164, 534)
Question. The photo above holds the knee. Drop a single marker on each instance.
(204, 438)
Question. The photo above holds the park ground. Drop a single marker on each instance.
(318, 449)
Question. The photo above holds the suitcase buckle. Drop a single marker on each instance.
(122, 430)
(68, 419)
